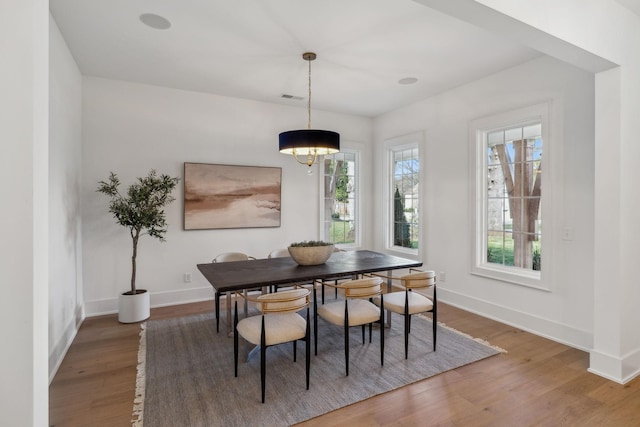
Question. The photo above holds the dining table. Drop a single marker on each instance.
(228, 277)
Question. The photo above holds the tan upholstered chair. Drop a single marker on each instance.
(355, 310)
(284, 253)
(232, 256)
(279, 323)
(226, 257)
(279, 253)
(407, 302)
(335, 281)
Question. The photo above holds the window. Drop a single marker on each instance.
(405, 199)
(509, 159)
(513, 194)
(340, 197)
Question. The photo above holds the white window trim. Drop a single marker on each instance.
(358, 179)
(412, 140)
(478, 129)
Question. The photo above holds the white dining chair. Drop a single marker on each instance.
(278, 323)
(355, 310)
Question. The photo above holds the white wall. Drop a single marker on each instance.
(566, 312)
(24, 31)
(65, 251)
(602, 37)
(130, 128)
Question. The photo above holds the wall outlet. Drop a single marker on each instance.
(567, 233)
(442, 276)
(187, 277)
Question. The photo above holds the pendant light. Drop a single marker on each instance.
(306, 145)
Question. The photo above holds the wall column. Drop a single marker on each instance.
(24, 77)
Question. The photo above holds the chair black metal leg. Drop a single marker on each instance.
(346, 337)
(308, 348)
(382, 330)
(295, 350)
(370, 331)
(407, 325)
(322, 294)
(363, 327)
(435, 326)
(435, 317)
(217, 304)
(315, 321)
(263, 357)
(235, 341)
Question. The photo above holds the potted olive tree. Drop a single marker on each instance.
(141, 210)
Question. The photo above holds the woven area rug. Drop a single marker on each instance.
(185, 372)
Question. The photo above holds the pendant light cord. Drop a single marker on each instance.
(309, 100)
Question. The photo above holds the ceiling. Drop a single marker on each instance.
(253, 49)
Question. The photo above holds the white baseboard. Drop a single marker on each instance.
(59, 350)
(158, 299)
(618, 369)
(546, 328)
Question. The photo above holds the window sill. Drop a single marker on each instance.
(513, 275)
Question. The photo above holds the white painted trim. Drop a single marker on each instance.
(411, 140)
(355, 148)
(158, 299)
(619, 369)
(555, 331)
(60, 349)
(478, 129)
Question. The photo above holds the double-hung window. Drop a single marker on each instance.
(340, 218)
(510, 158)
(404, 194)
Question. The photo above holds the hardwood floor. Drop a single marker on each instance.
(537, 383)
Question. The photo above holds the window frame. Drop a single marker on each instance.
(357, 202)
(391, 146)
(478, 131)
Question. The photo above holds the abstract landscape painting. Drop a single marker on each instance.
(228, 196)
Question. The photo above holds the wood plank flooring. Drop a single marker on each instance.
(537, 383)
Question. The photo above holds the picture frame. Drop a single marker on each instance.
(218, 196)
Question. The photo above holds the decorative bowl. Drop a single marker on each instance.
(311, 255)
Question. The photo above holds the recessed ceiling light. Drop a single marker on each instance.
(408, 81)
(155, 21)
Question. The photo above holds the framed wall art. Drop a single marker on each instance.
(229, 196)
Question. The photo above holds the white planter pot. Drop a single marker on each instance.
(134, 308)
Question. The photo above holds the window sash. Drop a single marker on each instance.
(528, 123)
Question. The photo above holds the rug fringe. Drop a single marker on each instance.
(464, 334)
(138, 401)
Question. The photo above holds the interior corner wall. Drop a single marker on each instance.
(565, 313)
(131, 128)
(65, 269)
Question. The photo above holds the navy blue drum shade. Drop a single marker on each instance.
(322, 142)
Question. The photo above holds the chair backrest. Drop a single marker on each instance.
(279, 253)
(362, 288)
(232, 256)
(422, 279)
(284, 302)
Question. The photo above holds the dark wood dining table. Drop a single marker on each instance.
(227, 277)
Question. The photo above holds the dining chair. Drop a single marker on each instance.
(408, 302)
(279, 253)
(335, 280)
(226, 257)
(284, 253)
(356, 310)
(278, 323)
